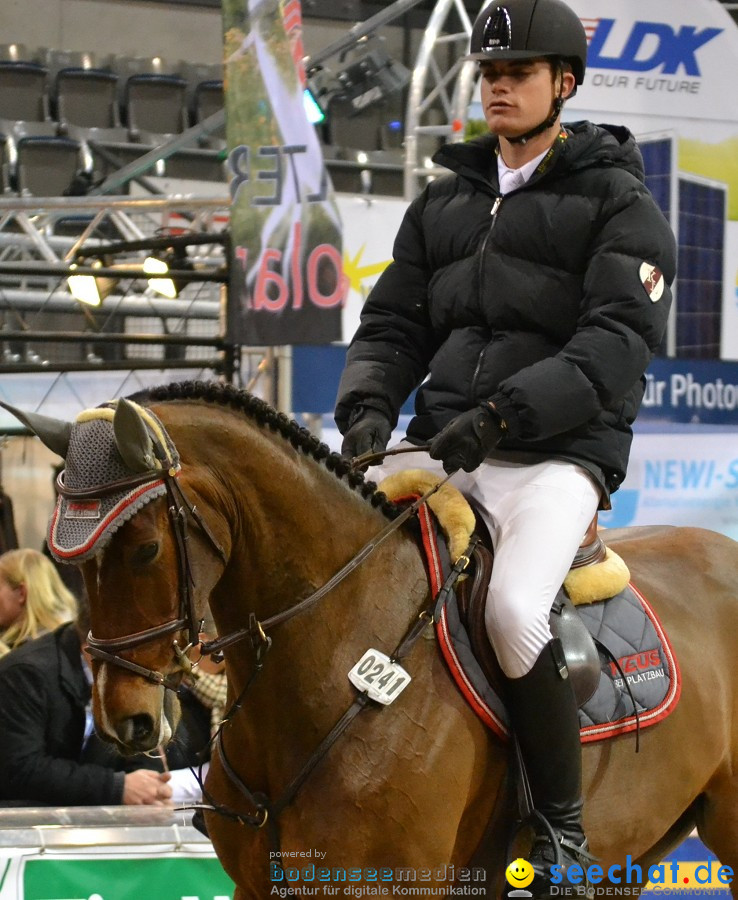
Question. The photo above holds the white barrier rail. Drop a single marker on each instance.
(107, 853)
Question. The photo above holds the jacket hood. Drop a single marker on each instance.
(602, 145)
(586, 145)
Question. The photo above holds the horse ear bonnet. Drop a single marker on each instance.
(82, 526)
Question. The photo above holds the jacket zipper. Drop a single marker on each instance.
(473, 391)
(493, 214)
(480, 359)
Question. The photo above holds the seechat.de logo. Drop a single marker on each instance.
(519, 875)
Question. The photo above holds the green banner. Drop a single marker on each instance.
(287, 284)
(165, 878)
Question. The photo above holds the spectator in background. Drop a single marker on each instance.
(33, 598)
(49, 753)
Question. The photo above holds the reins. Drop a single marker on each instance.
(258, 629)
(179, 511)
(267, 812)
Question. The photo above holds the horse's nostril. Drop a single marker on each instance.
(137, 731)
(143, 725)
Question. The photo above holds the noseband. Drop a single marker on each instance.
(179, 511)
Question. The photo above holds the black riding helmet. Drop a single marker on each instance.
(527, 29)
(531, 29)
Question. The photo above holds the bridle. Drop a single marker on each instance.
(179, 510)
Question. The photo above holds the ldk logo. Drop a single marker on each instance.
(650, 45)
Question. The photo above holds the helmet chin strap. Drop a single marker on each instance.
(544, 126)
(550, 121)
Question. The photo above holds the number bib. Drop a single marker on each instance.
(376, 675)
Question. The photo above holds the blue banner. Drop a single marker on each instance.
(677, 390)
(695, 391)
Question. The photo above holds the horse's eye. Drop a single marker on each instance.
(145, 554)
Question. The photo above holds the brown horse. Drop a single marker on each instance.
(415, 783)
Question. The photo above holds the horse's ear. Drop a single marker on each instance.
(132, 437)
(53, 433)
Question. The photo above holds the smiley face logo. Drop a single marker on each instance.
(519, 873)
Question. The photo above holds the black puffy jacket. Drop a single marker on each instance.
(43, 694)
(545, 301)
(44, 760)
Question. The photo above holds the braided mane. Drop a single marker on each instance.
(267, 417)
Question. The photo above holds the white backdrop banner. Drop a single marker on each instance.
(659, 56)
(683, 478)
(369, 228)
(679, 477)
(729, 348)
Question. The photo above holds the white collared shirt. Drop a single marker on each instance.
(512, 179)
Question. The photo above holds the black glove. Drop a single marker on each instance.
(369, 432)
(467, 439)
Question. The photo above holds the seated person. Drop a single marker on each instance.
(33, 598)
(50, 755)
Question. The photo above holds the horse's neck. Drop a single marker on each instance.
(287, 522)
(295, 539)
(304, 525)
(289, 525)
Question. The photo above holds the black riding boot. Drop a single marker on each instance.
(544, 717)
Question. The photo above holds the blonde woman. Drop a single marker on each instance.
(33, 598)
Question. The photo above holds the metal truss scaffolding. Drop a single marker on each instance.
(44, 241)
(439, 95)
(57, 351)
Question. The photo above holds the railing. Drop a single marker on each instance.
(42, 239)
(112, 852)
(93, 826)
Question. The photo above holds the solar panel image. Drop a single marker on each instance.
(657, 159)
(699, 221)
(700, 269)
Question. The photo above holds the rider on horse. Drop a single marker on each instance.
(528, 292)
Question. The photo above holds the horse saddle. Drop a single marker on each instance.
(622, 666)
(596, 574)
(580, 654)
(458, 522)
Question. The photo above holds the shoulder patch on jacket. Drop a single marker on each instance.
(652, 279)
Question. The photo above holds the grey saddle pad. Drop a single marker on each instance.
(626, 630)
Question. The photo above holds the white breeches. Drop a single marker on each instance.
(537, 516)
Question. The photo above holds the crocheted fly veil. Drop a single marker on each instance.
(105, 483)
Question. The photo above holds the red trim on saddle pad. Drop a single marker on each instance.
(658, 713)
(435, 573)
(430, 545)
(485, 713)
